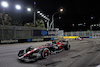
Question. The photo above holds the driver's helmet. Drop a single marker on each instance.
(30, 48)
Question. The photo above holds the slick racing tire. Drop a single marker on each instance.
(45, 53)
(67, 47)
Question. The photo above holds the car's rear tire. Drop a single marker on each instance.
(67, 47)
(45, 52)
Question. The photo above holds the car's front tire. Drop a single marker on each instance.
(45, 52)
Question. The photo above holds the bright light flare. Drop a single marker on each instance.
(41, 14)
(4, 4)
(18, 7)
(44, 16)
(61, 10)
(38, 11)
(28, 9)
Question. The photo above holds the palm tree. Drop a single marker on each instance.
(5, 19)
(40, 23)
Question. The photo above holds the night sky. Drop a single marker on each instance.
(75, 12)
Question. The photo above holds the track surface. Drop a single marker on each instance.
(84, 53)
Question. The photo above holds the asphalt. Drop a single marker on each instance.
(84, 53)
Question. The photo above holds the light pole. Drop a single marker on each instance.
(91, 27)
(34, 12)
(53, 20)
(52, 23)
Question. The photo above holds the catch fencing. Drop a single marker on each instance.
(19, 32)
(28, 34)
(85, 34)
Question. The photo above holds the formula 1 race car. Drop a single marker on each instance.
(80, 39)
(33, 54)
